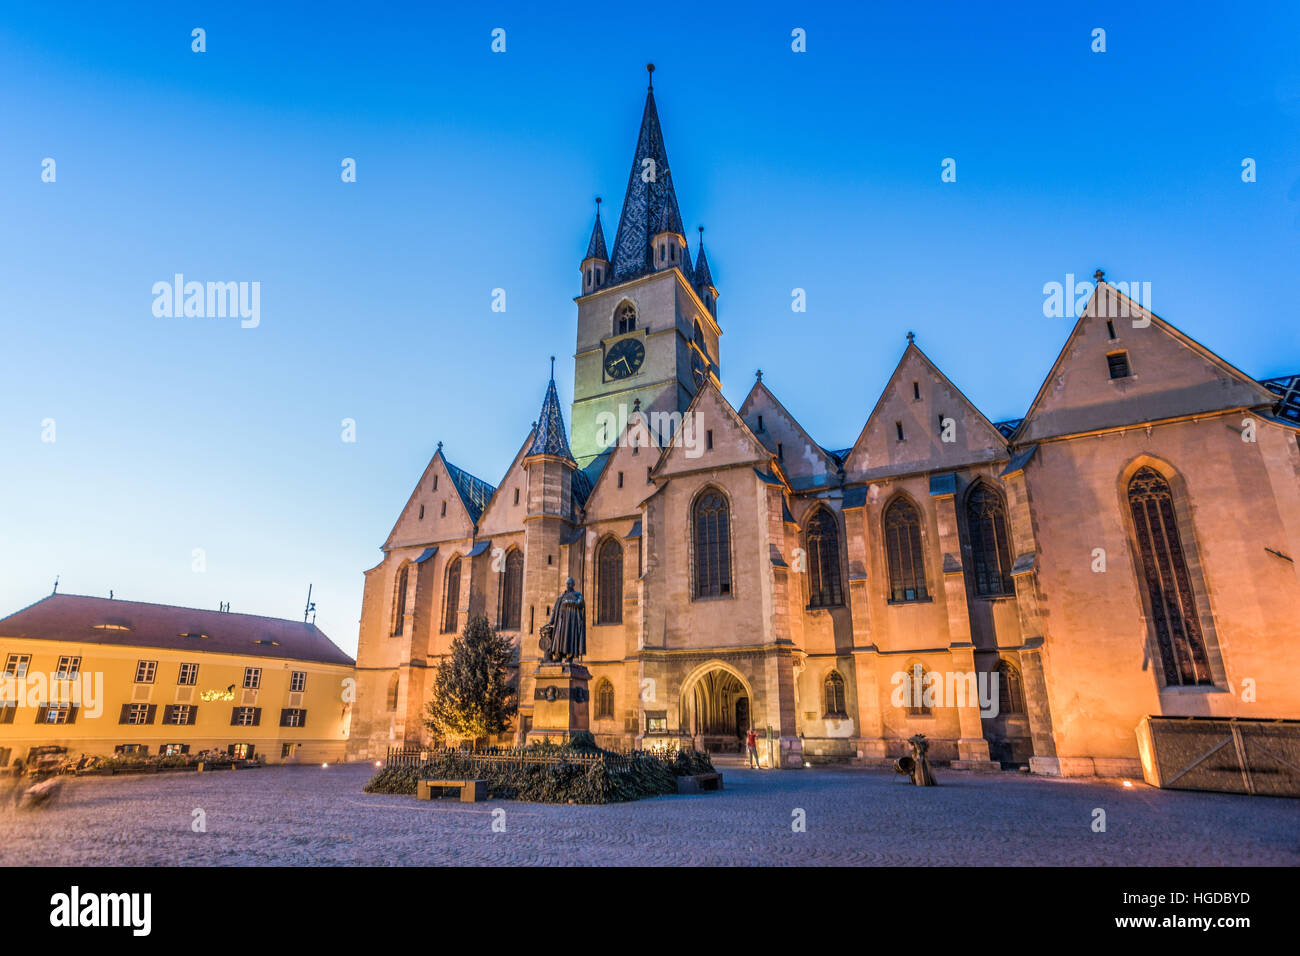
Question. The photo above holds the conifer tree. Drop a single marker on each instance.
(473, 696)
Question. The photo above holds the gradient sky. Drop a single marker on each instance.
(476, 170)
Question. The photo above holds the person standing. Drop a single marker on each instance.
(751, 742)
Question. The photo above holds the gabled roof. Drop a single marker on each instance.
(74, 617)
(997, 436)
(1029, 429)
(707, 387)
(650, 203)
(514, 462)
(474, 492)
(833, 461)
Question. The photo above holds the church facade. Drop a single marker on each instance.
(1020, 592)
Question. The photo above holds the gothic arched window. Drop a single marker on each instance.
(512, 590)
(1174, 617)
(915, 685)
(625, 318)
(986, 522)
(605, 701)
(903, 552)
(824, 589)
(451, 598)
(711, 525)
(399, 600)
(392, 691)
(1011, 689)
(833, 688)
(609, 582)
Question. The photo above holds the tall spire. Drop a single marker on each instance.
(650, 203)
(548, 435)
(596, 248)
(703, 278)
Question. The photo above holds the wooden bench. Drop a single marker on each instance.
(471, 791)
(695, 783)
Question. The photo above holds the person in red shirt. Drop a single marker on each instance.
(751, 741)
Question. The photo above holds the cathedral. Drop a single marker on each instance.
(1023, 593)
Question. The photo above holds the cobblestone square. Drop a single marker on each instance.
(315, 815)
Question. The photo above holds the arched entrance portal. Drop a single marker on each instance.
(715, 710)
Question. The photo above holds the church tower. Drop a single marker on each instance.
(647, 319)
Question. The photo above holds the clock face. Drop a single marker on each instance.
(624, 358)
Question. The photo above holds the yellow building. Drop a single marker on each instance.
(100, 676)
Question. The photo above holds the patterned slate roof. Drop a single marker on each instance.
(593, 469)
(596, 248)
(1008, 428)
(650, 203)
(549, 437)
(703, 278)
(581, 487)
(474, 492)
(75, 617)
(1287, 388)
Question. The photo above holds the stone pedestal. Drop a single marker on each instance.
(561, 704)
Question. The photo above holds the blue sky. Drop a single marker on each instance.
(475, 171)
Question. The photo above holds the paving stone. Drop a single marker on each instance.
(314, 815)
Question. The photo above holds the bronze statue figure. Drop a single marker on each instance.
(564, 636)
(921, 774)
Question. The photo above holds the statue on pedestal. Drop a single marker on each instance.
(564, 636)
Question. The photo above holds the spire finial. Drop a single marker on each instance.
(1099, 275)
(597, 207)
(758, 375)
(552, 368)
(650, 68)
(439, 446)
(910, 337)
